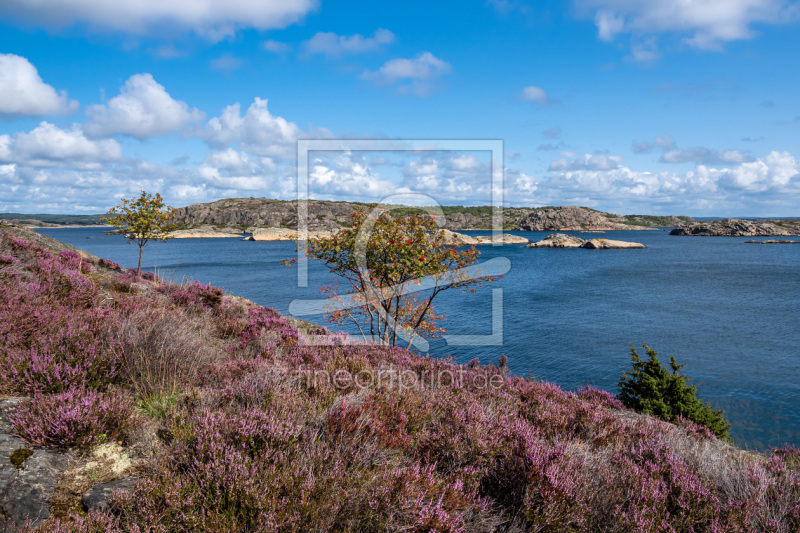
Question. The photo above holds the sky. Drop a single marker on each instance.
(684, 107)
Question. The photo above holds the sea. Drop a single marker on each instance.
(727, 310)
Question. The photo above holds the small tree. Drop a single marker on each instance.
(142, 220)
(649, 387)
(384, 260)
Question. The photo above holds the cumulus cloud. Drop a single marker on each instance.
(227, 63)
(23, 93)
(767, 185)
(347, 176)
(550, 147)
(665, 141)
(415, 76)
(552, 133)
(645, 52)
(214, 20)
(535, 94)
(670, 153)
(333, 45)
(276, 47)
(707, 24)
(587, 162)
(704, 156)
(778, 172)
(142, 110)
(257, 131)
(235, 170)
(49, 145)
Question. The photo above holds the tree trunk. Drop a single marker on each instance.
(139, 268)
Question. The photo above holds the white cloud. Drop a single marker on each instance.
(608, 24)
(535, 94)
(587, 162)
(664, 141)
(552, 133)
(49, 145)
(23, 93)
(347, 176)
(258, 131)
(703, 24)
(275, 47)
(778, 171)
(142, 110)
(704, 156)
(333, 45)
(227, 63)
(212, 19)
(768, 185)
(645, 52)
(415, 76)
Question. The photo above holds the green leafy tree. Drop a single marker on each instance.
(142, 220)
(651, 388)
(385, 261)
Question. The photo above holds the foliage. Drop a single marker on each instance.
(76, 417)
(651, 388)
(383, 260)
(142, 220)
(262, 432)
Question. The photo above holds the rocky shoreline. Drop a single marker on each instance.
(561, 240)
(773, 241)
(733, 227)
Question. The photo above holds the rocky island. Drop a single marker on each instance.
(244, 215)
(734, 227)
(560, 240)
(572, 218)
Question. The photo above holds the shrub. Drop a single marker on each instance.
(6, 259)
(161, 351)
(195, 295)
(107, 263)
(75, 417)
(649, 387)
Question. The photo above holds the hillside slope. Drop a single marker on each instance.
(220, 415)
(246, 214)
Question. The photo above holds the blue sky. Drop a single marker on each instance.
(649, 106)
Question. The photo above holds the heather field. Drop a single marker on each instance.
(235, 418)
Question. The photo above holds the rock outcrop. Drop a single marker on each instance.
(205, 231)
(245, 214)
(28, 476)
(452, 238)
(572, 218)
(610, 244)
(503, 238)
(33, 481)
(560, 240)
(773, 241)
(733, 227)
(97, 496)
(284, 234)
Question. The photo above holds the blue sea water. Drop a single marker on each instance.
(728, 310)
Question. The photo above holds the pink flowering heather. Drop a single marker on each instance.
(75, 417)
(259, 429)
